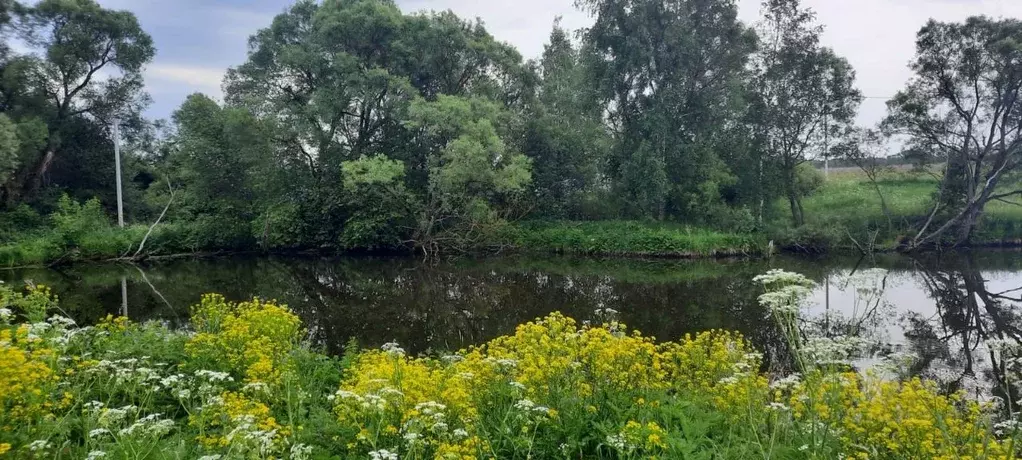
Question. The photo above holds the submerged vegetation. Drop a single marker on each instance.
(244, 382)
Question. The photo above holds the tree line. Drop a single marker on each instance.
(354, 125)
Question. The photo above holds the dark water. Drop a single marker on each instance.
(940, 308)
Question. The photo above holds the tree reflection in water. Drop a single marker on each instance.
(956, 346)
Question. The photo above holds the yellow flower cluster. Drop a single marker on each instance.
(253, 339)
(389, 393)
(649, 436)
(555, 353)
(874, 418)
(549, 357)
(233, 410)
(26, 378)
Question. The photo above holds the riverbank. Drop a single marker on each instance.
(844, 215)
(246, 384)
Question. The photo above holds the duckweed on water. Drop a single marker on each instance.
(245, 384)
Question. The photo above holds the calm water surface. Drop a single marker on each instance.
(941, 309)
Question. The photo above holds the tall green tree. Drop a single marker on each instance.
(963, 106)
(670, 73)
(336, 81)
(73, 42)
(806, 98)
(221, 158)
(564, 134)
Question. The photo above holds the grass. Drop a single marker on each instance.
(246, 384)
(849, 202)
(626, 238)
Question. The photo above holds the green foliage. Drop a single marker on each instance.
(669, 75)
(72, 219)
(71, 43)
(475, 179)
(381, 206)
(808, 180)
(10, 147)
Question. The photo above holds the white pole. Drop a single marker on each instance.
(826, 145)
(117, 165)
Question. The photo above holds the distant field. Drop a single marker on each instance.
(849, 199)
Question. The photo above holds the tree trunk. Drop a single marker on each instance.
(968, 224)
(35, 180)
(797, 217)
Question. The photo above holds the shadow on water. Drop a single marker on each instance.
(941, 309)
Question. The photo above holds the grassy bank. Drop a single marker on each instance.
(245, 384)
(848, 206)
(623, 238)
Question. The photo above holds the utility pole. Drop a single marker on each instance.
(117, 166)
(826, 144)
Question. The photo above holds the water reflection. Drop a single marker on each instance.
(974, 307)
(942, 309)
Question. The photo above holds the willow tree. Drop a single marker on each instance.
(963, 107)
(87, 62)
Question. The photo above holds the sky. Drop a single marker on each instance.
(197, 40)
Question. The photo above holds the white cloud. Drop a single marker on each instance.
(165, 77)
(524, 24)
(240, 24)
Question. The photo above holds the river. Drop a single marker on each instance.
(940, 308)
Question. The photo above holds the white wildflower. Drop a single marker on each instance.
(518, 385)
(256, 387)
(6, 314)
(95, 454)
(382, 454)
(300, 451)
(778, 277)
(214, 376)
(390, 391)
(460, 433)
(786, 383)
(616, 441)
(1007, 427)
(412, 438)
(525, 405)
(778, 407)
(211, 457)
(61, 321)
(39, 444)
(98, 432)
(393, 349)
